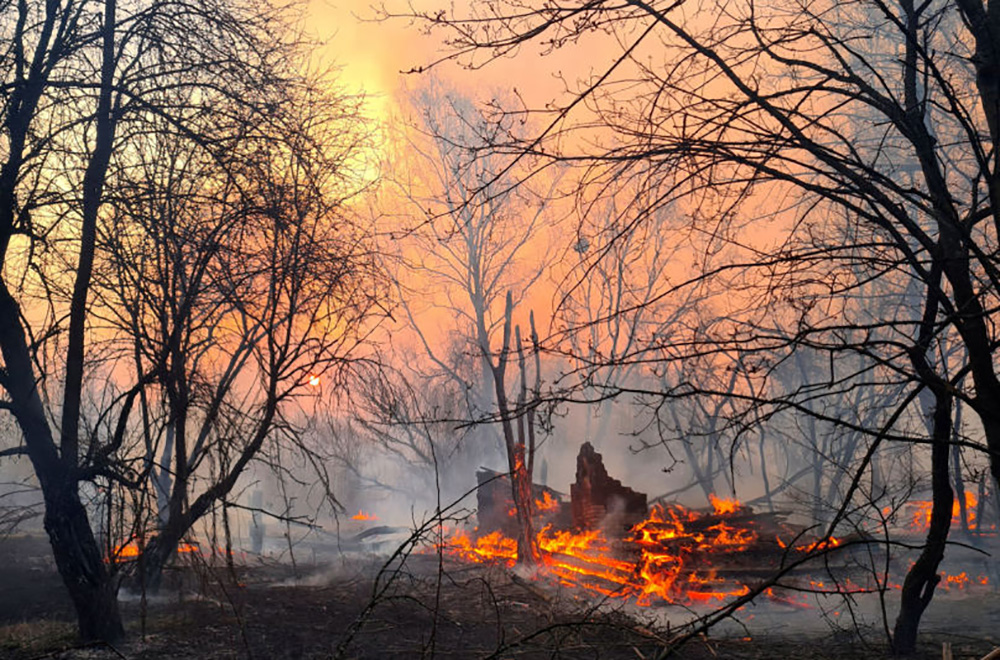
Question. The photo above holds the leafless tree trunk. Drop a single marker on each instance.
(86, 81)
(876, 126)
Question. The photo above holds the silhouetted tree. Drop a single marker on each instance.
(85, 82)
(817, 147)
(470, 247)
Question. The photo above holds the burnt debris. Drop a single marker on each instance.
(597, 499)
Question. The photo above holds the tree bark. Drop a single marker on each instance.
(74, 547)
(520, 480)
(922, 578)
(91, 587)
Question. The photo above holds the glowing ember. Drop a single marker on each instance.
(963, 580)
(361, 515)
(813, 547)
(314, 380)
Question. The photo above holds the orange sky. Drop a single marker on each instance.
(370, 54)
(373, 55)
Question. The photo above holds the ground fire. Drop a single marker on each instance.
(916, 514)
(130, 551)
(608, 541)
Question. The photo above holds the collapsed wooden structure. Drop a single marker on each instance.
(608, 539)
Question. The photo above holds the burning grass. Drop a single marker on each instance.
(131, 550)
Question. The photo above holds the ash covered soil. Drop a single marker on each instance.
(325, 609)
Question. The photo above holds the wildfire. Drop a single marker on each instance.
(546, 503)
(919, 511)
(492, 548)
(724, 506)
(361, 515)
(130, 551)
(676, 555)
(822, 544)
(963, 580)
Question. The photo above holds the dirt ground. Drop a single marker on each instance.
(327, 609)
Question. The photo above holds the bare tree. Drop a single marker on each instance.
(83, 82)
(822, 147)
(471, 249)
(249, 288)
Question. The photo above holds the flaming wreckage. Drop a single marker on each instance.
(607, 540)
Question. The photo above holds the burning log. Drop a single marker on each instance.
(596, 497)
(606, 539)
(675, 554)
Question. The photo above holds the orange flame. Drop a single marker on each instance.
(919, 512)
(491, 548)
(130, 550)
(963, 580)
(663, 559)
(546, 503)
(724, 507)
(361, 515)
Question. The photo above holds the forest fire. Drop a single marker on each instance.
(130, 551)
(546, 503)
(361, 515)
(917, 513)
(676, 555)
(963, 580)
(608, 541)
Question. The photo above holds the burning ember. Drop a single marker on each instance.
(361, 515)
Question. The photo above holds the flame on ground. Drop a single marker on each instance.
(918, 512)
(130, 551)
(493, 547)
(962, 580)
(673, 556)
(722, 506)
(676, 555)
(361, 515)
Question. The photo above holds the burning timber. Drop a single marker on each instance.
(495, 504)
(608, 541)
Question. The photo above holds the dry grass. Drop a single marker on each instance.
(33, 637)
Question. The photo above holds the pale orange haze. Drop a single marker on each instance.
(378, 57)
(374, 58)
